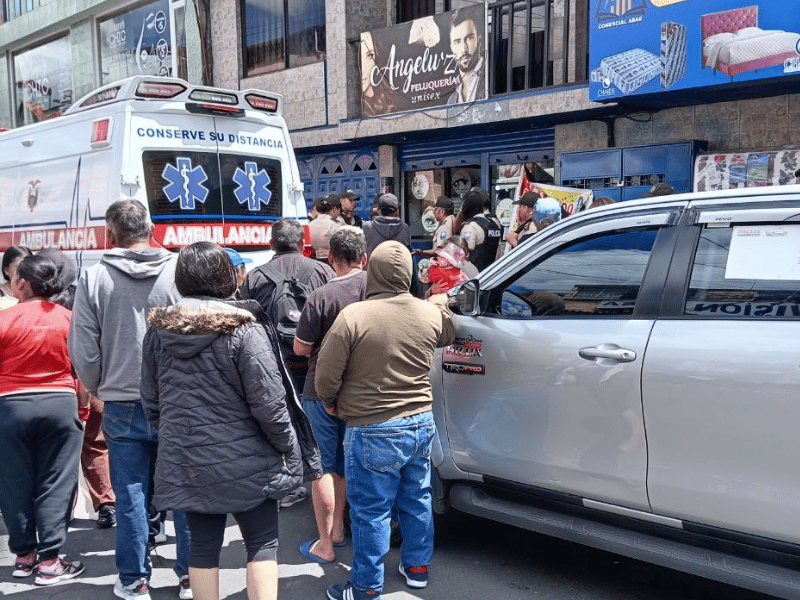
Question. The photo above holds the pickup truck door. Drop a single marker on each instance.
(721, 377)
(543, 388)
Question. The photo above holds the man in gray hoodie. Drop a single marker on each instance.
(105, 346)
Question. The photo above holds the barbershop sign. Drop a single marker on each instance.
(428, 62)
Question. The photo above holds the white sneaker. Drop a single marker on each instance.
(161, 536)
(293, 498)
(185, 589)
(138, 590)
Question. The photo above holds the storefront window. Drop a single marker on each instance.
(43, 81)
(181, 58)
(137, 43)
(423, 187)
(509, 180)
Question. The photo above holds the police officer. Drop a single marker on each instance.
(349, 217)
(481, 234)
(443, 212)
(534, 213)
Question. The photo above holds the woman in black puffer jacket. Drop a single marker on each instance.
(232, 438)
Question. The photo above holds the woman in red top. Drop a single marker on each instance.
(40, 435)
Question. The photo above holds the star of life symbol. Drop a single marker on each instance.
(252, 186)
(185, 183)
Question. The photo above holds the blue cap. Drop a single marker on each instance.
(547, 208)
(236, 258)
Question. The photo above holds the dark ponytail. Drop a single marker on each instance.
(42, 275)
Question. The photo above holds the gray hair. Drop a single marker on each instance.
(287, 236)
(128, 222)
(348, 244)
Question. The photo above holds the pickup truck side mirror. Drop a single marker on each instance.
(463, 299)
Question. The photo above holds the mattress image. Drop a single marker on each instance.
(751, 44)
(673, 53)
(631, 69)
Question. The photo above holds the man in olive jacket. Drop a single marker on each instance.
(372, 370)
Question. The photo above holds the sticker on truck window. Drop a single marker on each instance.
(764, 252)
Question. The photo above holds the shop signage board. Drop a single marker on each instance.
(642, 47)
(423, 63)
(137, 42)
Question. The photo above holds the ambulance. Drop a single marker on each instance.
(209, 164)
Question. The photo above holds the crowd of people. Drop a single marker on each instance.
(182, 382)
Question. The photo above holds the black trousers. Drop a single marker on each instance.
(40, 446)
(259, 527)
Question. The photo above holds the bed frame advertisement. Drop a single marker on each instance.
(427, 62)
(639, 47)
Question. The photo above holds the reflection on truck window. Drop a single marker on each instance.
(592, 277)
(712, 294)
(191, 185)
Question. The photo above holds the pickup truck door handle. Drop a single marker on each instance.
(607, 353)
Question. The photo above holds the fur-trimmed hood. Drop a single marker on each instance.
(188, 327)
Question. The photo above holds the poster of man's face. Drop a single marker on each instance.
(465, 44)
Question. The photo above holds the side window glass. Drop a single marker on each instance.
(596, 276)
(746, 272)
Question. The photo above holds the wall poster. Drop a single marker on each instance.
(428, 62)
(746, 169)
(138, 42)
(652, 46)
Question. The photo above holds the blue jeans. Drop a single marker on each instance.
(132, 445)
(329, 432)
(388, 464)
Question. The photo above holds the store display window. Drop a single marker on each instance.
(43, 81)
(509, 180)
(138, 42)
(424, 186)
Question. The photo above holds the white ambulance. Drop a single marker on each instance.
(209, 164)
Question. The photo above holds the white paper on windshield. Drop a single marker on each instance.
(764, 252)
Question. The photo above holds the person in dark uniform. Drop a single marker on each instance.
(481, 234)
(348, 215)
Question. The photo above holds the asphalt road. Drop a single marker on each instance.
(474, 559)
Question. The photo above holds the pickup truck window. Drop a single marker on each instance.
(597, 276)
(712, 294)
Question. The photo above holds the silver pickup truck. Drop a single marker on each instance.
(629, 379)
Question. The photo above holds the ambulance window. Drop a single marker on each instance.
(250, 186)
(179, 185)
(193, 185)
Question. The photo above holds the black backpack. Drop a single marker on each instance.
(288, 300)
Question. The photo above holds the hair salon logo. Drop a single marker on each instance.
(613, 13)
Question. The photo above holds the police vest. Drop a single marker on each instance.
(482, 256)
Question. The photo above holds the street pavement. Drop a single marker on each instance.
(474, 559)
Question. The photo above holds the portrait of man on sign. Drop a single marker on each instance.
(466, 44)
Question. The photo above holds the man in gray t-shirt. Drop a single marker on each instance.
(347, 257)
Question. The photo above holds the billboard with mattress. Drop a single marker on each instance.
(652, 46)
